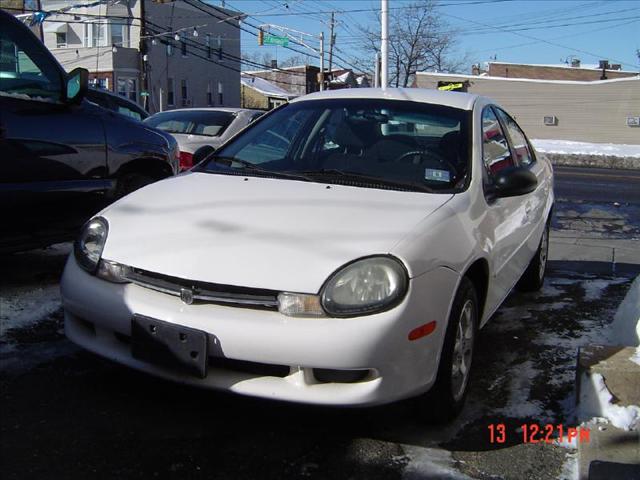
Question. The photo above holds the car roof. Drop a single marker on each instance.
(464, 101)
(211, 109)
(108, 94)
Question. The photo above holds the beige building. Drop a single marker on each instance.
(161, 54)
(603, 111)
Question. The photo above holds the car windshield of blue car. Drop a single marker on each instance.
(363, 142)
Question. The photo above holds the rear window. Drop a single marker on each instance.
(209, 124)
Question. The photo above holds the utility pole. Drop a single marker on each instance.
(384, 81)
(142, 53)
(332, 40)
(376, 74)
(321, 61)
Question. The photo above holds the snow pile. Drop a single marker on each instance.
(584, 148)
(595, 398)
(596, 401)
(635, 358)
(625, 329)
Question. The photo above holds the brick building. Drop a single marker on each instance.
(574, 71)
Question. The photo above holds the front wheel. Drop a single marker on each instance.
(130, 182)
(446, 398)
(533, 277)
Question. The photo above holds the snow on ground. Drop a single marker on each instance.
(584, 148)
(635, 358)
(595, 398)
(22, 307)
(625, 329)
(596, 401)
(27, 298)
(430, 463)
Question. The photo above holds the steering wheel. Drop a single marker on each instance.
(429, 155)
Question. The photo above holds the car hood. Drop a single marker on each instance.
(191, 143)
(258, 232)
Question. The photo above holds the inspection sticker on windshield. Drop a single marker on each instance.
(436, 175)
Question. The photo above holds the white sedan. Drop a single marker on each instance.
(344, 250)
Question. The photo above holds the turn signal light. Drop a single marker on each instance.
(422, 331)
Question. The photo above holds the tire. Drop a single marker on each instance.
(130, 182)
(533, 277)
(447, 396)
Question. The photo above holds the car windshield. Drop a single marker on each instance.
(198, 122)
(363, 142)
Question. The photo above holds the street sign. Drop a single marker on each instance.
(275, 40)
(144, 94)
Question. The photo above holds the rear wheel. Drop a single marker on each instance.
(446, 398)
(533, 277)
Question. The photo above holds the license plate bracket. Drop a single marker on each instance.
(173, 346)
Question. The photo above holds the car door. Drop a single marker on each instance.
(535, 203)
(507, 222)
(52, 154)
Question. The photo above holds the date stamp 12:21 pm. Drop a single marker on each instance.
(534, 433)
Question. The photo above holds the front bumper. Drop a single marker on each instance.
(98, 317)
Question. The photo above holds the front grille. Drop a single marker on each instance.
(206, 292)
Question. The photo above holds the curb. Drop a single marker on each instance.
(597, 161)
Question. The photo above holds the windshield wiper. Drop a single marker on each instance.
(367, 178)
(252, 167)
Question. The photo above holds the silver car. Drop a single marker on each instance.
(195, 128)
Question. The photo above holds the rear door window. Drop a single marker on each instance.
(495, 147)
(518, 139)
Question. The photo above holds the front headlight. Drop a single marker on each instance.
(89, 245)
(365, 286)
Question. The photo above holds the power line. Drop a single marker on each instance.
(537, 39)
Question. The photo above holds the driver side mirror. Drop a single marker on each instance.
(76, 85)
(512, 182)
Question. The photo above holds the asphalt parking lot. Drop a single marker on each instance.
(68, 414)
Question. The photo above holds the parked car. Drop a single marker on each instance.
(117, 103)
(195, 128)
(343, 250)
(62, 157)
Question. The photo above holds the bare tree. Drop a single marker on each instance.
(294, 61)
(419, 39)
(256, 60)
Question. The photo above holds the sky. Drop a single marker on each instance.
(539, 31)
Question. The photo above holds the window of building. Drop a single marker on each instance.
(219, 48)
(95, 35)
(209, 95)
(61, 39)
(183, 91)
(120, 34)
(128, 88)
(122, 87)
(220, 94)
(207, 41)
(170, 92)
(495, 148)
(100, 83)
(132, 89)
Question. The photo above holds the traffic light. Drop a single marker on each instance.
(260, 37)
